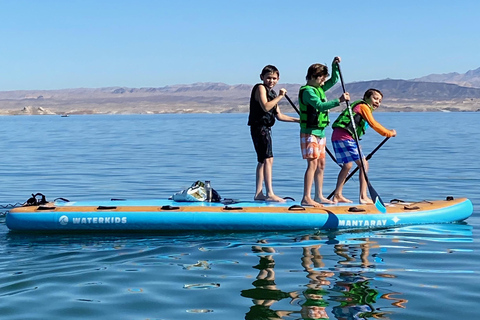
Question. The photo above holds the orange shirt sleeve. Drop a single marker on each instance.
(366, 113)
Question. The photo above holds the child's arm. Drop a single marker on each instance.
(283, 117)
(310, 97)
(334, 78)
(366, 113)
(261, 97)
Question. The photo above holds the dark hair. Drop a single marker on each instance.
(316, 70)
(370, 93)
(270, 69)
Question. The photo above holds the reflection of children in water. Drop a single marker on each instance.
(266, 293)
(357, 299)
(314, 304)
(349, 289)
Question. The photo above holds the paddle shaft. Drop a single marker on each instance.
(292, 104)
(356, 169)
(355, 135)
(373, 193)
(326, 149)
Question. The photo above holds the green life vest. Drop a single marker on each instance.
(344, 121)
(310, 117)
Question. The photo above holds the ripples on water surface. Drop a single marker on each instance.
(415, 272)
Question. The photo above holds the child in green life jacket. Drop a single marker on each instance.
(343, 140)
(313, 121)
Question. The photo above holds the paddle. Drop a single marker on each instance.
(373, 193)
(356, 169)
(293, 105)
(328, 151)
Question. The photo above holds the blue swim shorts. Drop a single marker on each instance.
(345, 151)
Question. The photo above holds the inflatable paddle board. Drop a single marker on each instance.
(228, 215)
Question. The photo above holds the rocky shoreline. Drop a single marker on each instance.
(399, 96)
(103, 109)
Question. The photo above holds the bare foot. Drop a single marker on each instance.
(274, 198)
(260, 197)
(366, 201)
(310, 202)
(324, 200)
(340, 198)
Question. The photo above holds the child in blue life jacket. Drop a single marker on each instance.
(345, 146)
(313, 121)
(264, 110)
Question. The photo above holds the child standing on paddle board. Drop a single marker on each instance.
(345, 146)
(313, 121)
(264, 110)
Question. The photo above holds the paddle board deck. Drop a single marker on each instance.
(228, 215)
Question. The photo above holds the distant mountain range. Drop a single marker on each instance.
(469, 79)
(435, 92)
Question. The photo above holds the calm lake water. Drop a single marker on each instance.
(415, 272)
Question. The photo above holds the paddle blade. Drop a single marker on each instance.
(376, 199)
(379, 205)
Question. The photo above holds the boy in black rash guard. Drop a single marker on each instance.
(264, 110)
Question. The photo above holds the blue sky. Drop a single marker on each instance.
(56, 44)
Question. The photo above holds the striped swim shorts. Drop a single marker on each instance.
(345, 151)
(313, 147)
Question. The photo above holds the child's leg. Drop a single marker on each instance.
(307, 183)
(259, 178)
(363, 183)
(342, 175)
(319, 182)
(267, 172)
(263, 147)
